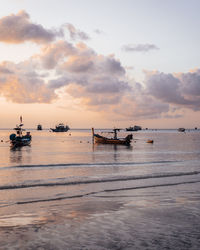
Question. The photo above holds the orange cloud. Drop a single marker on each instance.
(21, 86)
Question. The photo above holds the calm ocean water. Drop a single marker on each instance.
(63, 192)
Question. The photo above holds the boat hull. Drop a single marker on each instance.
(181, 129)
(20, 143)
(59, 130)
(135, 128)
(104, 140)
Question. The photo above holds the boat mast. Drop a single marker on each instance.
(20, 131)
(19, 128)
(93, 135)
(115, 132)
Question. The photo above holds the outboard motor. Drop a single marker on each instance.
(129, 138)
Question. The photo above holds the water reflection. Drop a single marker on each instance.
(111, 147)
(110, 151)
(20, 155)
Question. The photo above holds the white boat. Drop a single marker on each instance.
(135, 128)
(60, 128)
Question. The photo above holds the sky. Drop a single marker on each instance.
(103, 64)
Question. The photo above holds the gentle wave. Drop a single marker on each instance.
(89, 181)
(87, 164)
(105, 191)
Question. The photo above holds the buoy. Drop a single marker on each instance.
(149, 141)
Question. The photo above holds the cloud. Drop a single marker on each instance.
(22, 91)
(97, 82)
(136, 104)
(139, 47)
(181, 90)
(164, 87)
(58, 83)
(98, 79)
(141, 107)
(76, 34)
(99, 32)
(191, 83)
(80, 64)
(54, 53)
(24, 86)
(17, 28)
(5, 70)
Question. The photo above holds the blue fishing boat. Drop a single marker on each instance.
(18, 139)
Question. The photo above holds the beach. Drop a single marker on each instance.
(63, 192)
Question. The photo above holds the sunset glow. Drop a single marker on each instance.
(74, 67)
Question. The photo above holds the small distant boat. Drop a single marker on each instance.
(181, 129)
(105, 140)
(60, 128)
(135, 128)
(39, 127)
(18, 139)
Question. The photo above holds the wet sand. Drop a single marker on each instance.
(158, 218)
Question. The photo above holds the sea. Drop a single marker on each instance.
(65, 192)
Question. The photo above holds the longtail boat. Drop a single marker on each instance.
(115, 140)
(18, 139)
